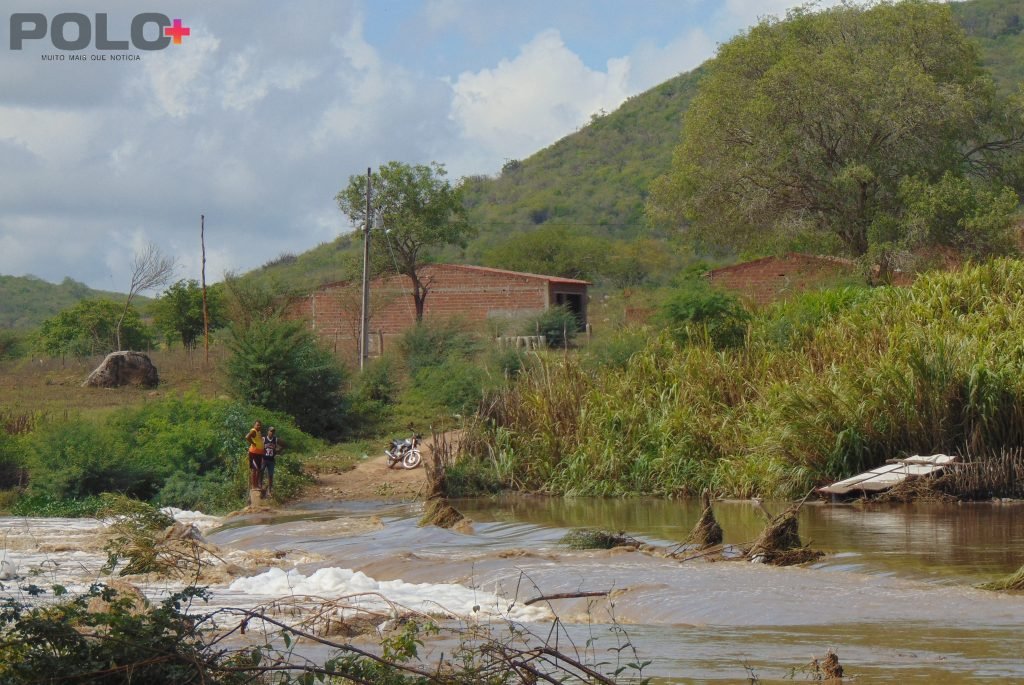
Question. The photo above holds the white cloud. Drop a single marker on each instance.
(178, 79)
(652, 64)
(243, 82)
(530, 101)
(55, 137)
(749, 12)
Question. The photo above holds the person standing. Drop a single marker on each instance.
(254, 438)
(272, 446)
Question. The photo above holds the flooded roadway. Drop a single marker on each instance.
(894, 597)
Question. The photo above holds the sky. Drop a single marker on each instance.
(265, 109)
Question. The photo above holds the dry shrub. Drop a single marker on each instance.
(1012, 583)
(779, 543)
(988, 474)
(146, 540)
(707, 533)
(917, 489)
(589, 538)
(439, 512)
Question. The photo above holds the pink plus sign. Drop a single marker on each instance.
(177, 31)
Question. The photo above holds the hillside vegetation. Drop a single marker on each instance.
(26, 300)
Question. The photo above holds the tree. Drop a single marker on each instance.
(90, 328)
(280, 365)
(419, 210)
(151, 269)
(808, 127)
(178, 312)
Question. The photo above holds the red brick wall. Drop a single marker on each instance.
(468, 293)
(772, 278)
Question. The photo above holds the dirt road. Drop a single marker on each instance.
(370, 480)
(373, 480)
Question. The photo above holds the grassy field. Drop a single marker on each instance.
(54, 386)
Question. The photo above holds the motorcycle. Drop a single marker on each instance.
(405, 452)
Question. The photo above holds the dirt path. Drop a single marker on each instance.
(373, 480)
(370, 480)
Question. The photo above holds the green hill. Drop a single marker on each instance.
(597, 178)
(25, 301)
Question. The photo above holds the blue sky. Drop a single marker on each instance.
(260, 116)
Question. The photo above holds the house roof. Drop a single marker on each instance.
(790, 257)
(521, 274)
(481, 269)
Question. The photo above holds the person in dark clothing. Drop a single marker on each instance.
(272, 446)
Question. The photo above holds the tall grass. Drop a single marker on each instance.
(820, 388)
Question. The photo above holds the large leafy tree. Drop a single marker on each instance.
(419, 210)
(811, 127)
(90, 327)
(178, 312)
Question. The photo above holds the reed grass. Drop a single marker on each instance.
(871, 375)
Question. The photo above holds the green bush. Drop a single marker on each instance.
(455, 384)
(431, 343)
(795, 321)
(280, 365)
(696, 309)
(558, 325)
(183, 452)
(614, 350)
(508, 361)
(13, 344)
(74, 458)
(11, 460)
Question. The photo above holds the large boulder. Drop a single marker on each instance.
(124, 368)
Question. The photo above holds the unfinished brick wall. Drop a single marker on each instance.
(473, 294)
(773, 278)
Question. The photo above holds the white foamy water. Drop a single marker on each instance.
(364, 592)
(69, 552)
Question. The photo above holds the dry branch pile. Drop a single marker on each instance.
(779, 543)
(707, 533)
(439, 512)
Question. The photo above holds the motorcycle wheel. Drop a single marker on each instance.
(412, 458)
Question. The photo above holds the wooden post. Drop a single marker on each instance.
(206, 312)
(364, 334)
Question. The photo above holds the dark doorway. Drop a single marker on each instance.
(574, 303)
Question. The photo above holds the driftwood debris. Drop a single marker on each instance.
(565, 595)
(707, 533)
(439, 512)
(830, 666)
(779, 543)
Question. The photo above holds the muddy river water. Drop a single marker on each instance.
(894, 597)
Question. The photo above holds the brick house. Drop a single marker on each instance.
(769, 279)
(471, 293)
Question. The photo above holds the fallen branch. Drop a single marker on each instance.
(566, 595)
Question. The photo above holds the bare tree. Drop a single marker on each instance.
(151, 268)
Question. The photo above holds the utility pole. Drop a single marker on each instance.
(206, 313)
(364, 332)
